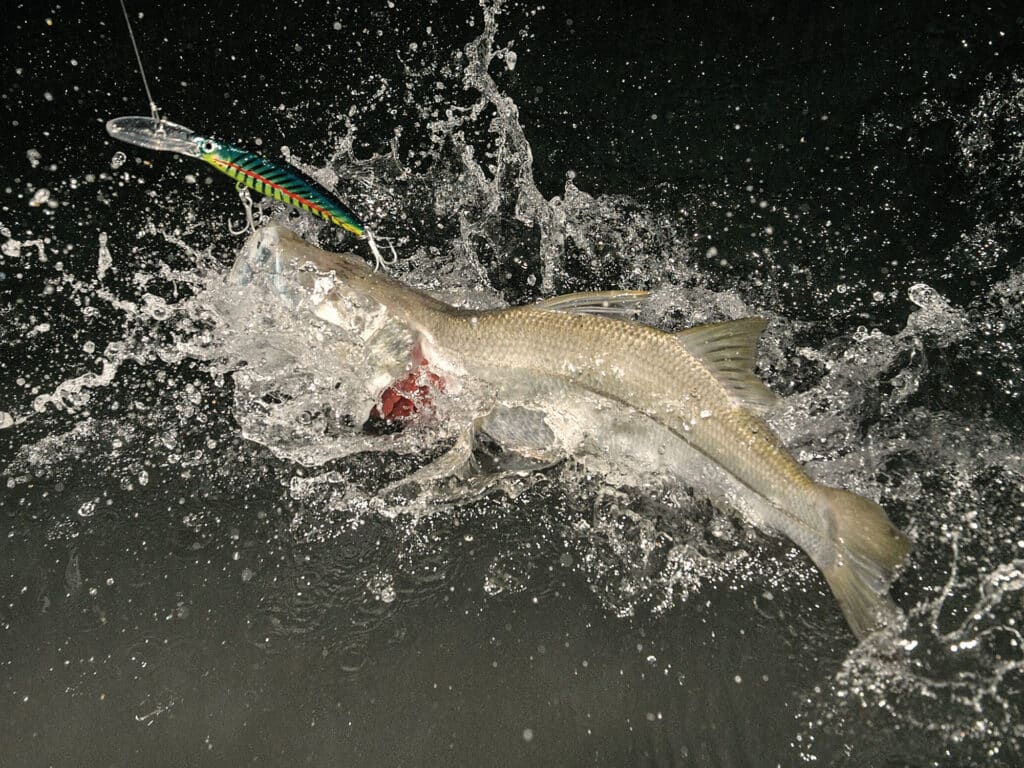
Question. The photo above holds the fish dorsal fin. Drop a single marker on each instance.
(619, 304)
(729, 350)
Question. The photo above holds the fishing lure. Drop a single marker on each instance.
(249, 170)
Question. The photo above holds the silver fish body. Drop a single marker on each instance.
(698, 384)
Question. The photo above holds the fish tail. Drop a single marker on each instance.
(867, 552)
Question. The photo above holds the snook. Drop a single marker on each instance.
(698, 383)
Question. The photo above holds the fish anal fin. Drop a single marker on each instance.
(618, 304)
(729, 350)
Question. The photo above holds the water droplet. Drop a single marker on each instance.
(41, 196)
(105, 259)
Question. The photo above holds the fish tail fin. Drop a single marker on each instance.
(868, 551)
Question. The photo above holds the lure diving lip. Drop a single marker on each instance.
(161, 135)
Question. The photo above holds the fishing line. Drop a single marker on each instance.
(142, 71)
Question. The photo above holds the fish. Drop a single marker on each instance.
(697, 385)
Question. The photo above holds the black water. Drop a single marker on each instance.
(167, 597)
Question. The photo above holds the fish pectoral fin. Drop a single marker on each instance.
(729, 350)
(618, 304)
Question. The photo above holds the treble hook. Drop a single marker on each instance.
(378, 258)
(250, 222)
(253, 220)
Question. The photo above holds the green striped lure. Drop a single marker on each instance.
(286, 185)
(250, 171)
